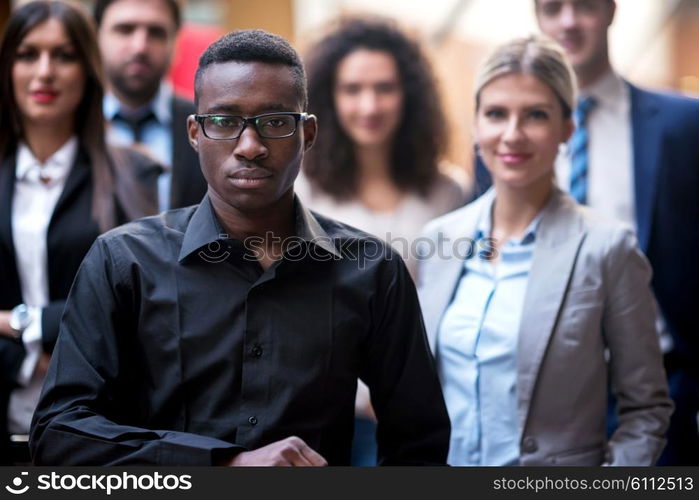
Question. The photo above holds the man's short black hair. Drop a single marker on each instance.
(101, 7)
(253, 46)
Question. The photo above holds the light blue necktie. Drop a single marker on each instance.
(578, 150)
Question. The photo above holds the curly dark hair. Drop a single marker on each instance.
(421, 138)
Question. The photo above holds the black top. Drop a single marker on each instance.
(71, 233)
(176, 345)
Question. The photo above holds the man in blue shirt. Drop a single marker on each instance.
(137, 38)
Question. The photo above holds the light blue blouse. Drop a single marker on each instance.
(477, 352)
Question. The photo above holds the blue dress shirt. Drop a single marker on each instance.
(477, 352)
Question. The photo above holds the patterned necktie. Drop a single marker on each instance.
(578, 150)
(136, 123)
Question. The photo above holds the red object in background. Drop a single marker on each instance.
(193, 39)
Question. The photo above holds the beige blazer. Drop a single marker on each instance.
(588, 296)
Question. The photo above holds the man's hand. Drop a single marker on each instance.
(42, 365)
(289, 452)
(5, 329)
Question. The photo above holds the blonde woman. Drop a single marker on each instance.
(551, 301)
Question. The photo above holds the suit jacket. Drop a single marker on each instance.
(665, 139)
(188, 183)
(71, 233)
(588, 290)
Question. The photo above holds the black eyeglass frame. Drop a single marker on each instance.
(299, 116)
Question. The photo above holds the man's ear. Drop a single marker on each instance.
(193, 132)
(310, 130)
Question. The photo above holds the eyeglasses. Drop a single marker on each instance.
(268, 125)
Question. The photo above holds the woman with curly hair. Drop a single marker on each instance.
(375, 162)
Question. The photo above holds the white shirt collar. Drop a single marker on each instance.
(58, 165)
(160, 105)
(610, 91)
(485, 221)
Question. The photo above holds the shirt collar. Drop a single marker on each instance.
(110, 106)
(309, 229)
(610, 91)
(485, 222)
(58, 164)
(204, 229)
(160, 105)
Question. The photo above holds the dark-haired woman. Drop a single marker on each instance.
(375, 162)
(59, 189)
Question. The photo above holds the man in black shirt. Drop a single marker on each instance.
(234, 332)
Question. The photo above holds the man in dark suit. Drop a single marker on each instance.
(137, 38)
(641, 165)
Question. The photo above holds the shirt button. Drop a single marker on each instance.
(529, 445)
(256, 351)
(253, 420)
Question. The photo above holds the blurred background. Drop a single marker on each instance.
(654, 43)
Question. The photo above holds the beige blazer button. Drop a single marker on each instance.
(529, 445)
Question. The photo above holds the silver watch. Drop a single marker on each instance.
(20, 319)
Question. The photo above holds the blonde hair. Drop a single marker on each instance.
(535, 55)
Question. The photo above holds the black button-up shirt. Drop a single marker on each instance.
(176, 347)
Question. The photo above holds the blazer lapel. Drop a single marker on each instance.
(7, 184)
(647, 141)
(10, 293)
(445, 276)
(558, 241)
(79, 174)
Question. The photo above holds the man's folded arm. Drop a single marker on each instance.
(81, 437)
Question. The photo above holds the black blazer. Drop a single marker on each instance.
(188, 183)
(71, 233)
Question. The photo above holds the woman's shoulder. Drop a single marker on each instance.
(461, 216)
(450, 187)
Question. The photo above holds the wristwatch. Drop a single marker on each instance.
(20, 318)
